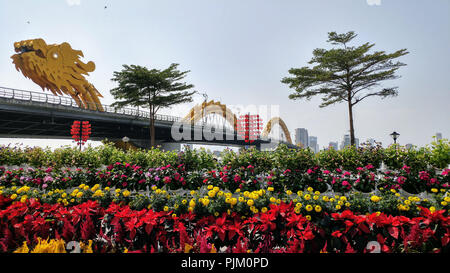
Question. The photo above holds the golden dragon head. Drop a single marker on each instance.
(59, 69)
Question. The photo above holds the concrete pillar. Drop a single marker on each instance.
(171, 146)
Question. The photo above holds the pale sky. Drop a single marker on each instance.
(238, 52)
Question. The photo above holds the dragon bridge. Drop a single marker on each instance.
(212, 107)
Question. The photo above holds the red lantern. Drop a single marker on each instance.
(80, 132)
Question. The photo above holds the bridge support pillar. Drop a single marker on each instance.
(171, 146)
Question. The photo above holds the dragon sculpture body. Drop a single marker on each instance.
(59, 69)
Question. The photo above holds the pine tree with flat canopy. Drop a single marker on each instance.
(345, 74)
(151, 88)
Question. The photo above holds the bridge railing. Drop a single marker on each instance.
(24, 95)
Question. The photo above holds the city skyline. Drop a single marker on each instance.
(227, 49)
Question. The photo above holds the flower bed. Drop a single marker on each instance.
(280, 229)
(283, 201)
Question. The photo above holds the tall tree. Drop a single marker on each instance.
(345, 74)
(151, 88)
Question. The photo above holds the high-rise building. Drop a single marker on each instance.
(409, 146)
(317, 148)
(356, 142)
(333, 145)
(345, 142)
(438, 136)
(313, 143)
(301, 137)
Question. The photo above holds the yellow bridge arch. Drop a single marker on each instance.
(279, 121)
(211, 107)
(215, 107)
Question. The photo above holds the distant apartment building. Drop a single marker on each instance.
(301, 137)
(409, 146)
(333, 145)
(313, 143)
(347, 142)
(438, 136)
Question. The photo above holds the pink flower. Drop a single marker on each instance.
(48, 179)
(225, 179)
(370, 166)
(309, 171)
(166, 179)
(345, 183)
(237, 178)
(326, 171)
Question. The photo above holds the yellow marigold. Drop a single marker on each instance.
(13, 196)
(166, 208)
(338, 207)
(263, 209)
(126, 193)
(228, 200)
(288, 192)
(233, 201)
(308, 217)
(375, 198)
(325, 198)
(211, 193)
(307, 196)
(434, 190)
(273, 199)
(216, 213)
(270, 189)
(23, 199)
(297, 210)
(250, 202)
(315, 197)
(210, 187)
(318, 208)
(309, 208)
(216, 189)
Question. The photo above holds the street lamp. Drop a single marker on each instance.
(125, 140)
(395, 135)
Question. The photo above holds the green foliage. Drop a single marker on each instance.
(440, 153)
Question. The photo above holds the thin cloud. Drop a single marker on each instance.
(373, 2)
(73, 2)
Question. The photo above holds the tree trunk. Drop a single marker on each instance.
(350, 114)
(152, 130)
